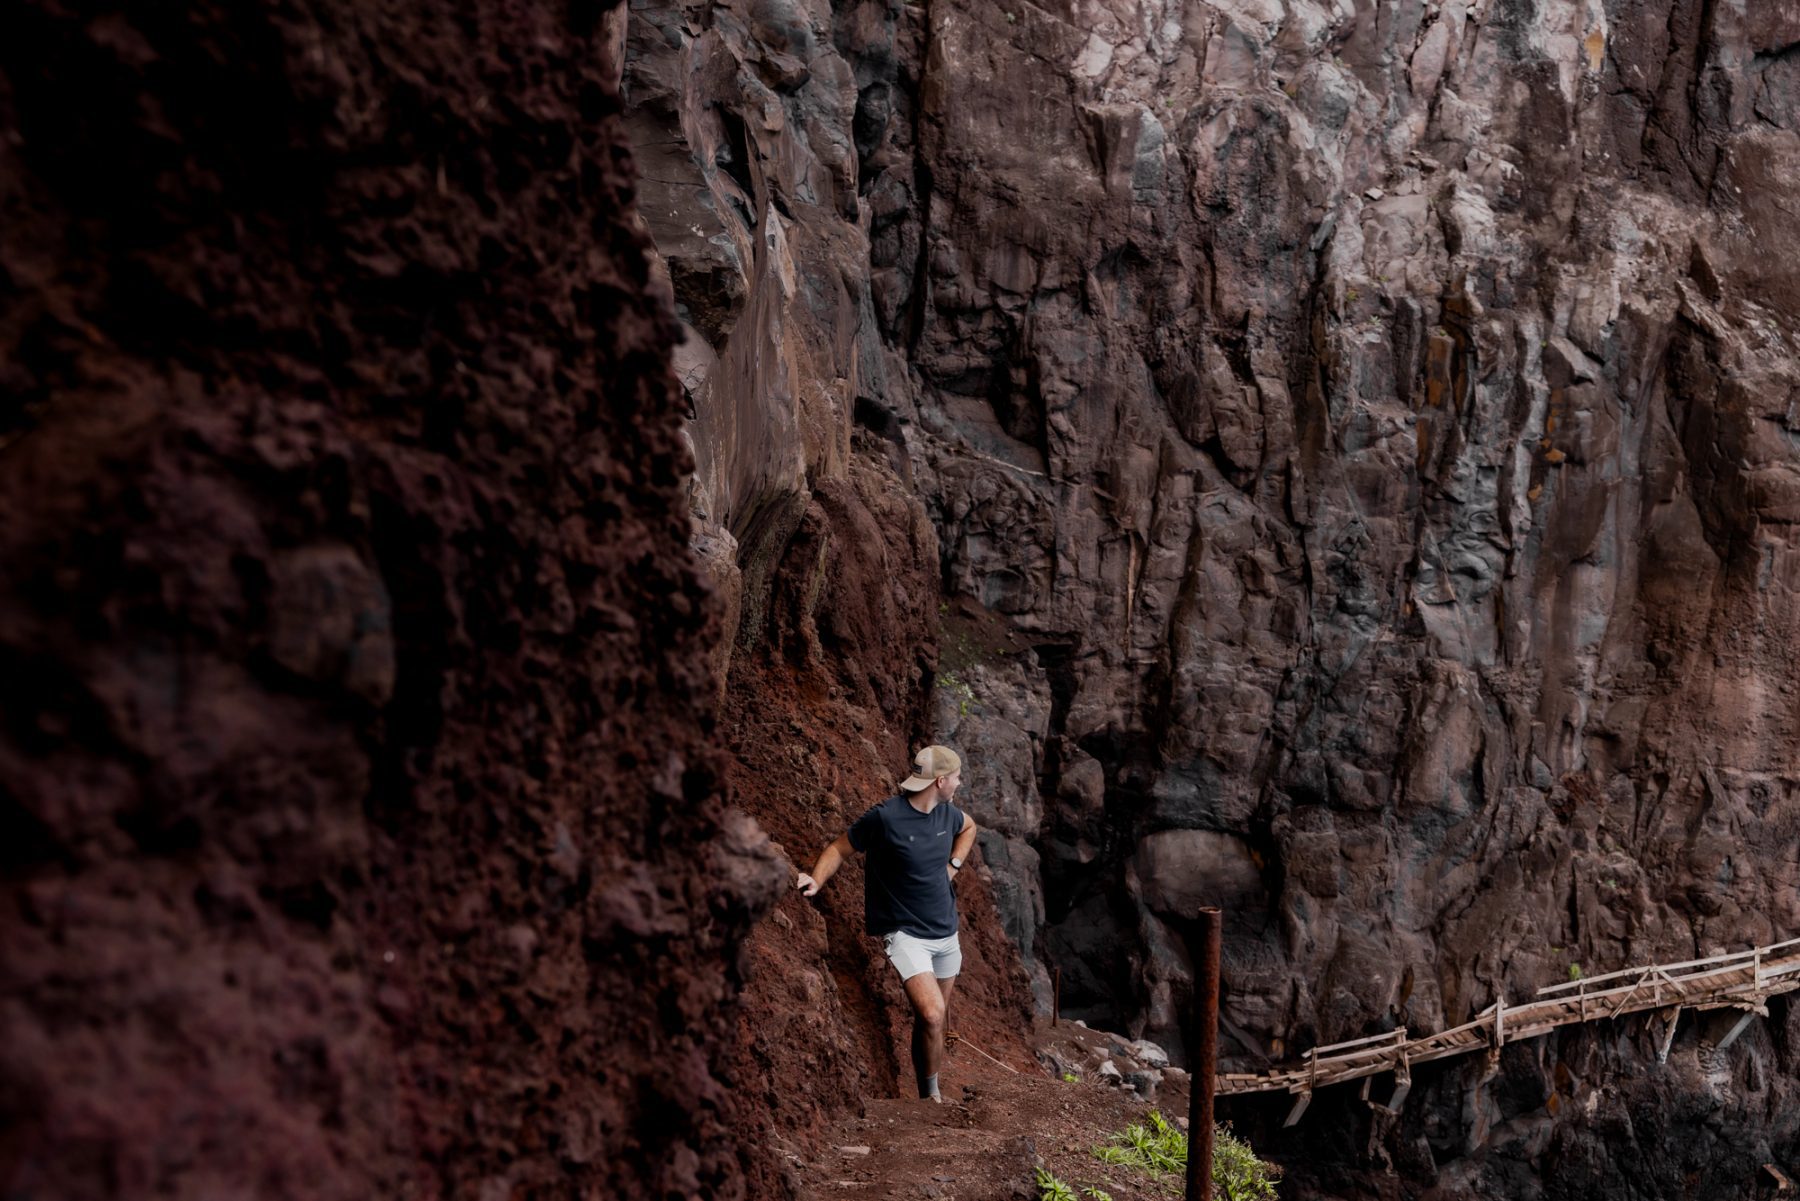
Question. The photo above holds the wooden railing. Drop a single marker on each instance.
(1741, 980)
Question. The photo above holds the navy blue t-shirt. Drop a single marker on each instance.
(906, 887)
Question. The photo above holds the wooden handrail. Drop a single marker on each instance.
(1756, 979)
(1670, 967)
(1361, 1042)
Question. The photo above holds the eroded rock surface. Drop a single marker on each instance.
(359, 836)
(1377, 421)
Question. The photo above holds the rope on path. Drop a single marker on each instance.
(955, 1040)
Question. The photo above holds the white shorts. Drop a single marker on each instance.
(910, 955)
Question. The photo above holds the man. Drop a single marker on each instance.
(916, 843)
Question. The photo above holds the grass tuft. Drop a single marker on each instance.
(1162, 1150)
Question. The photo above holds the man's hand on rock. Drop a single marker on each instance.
(807, 885)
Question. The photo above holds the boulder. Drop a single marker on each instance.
(1179, 872)
(1149, 1054)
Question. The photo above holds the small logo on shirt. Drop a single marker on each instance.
(941, 833)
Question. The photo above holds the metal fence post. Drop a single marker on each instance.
(1206, 1057)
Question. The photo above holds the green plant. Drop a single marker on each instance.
(1574, 971)
(1238, 1175)
(1160, 1149)
(1070, 1078)
(1157, 1148)
(1052, 1189)
(965, 695)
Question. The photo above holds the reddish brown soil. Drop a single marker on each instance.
(824, 1022)
(986, 1142)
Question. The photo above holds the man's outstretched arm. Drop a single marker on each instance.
(830, 859)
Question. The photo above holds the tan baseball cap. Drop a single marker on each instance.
(932, 762)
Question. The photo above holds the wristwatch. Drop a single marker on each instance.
(956, 863)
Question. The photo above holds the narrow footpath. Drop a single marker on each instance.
(997, 1125)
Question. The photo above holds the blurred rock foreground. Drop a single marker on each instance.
(474, 477)
(358, 814)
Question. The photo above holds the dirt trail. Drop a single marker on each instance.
(995, 1128)
(823, 1020)
(822, 1059)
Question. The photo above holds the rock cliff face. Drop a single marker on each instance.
(1358, 443)
(359, 835)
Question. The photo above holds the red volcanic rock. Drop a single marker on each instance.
(360, 836)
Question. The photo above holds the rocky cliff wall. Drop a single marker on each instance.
(1360, 443)
(359, 831)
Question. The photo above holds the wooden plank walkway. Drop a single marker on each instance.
(1744, 980)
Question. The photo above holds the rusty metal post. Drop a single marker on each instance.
(1205, 1058)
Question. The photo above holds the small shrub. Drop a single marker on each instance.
(1070, 1078)
(1157, 1148)
(1052, 1189)
(965, 695)
(1237, 1174)
(1574, 971)
(1160, 1149)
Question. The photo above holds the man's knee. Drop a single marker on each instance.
(930, 1011)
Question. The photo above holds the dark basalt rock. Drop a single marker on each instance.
(1377, 420)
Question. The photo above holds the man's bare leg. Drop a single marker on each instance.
(928, 1002)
